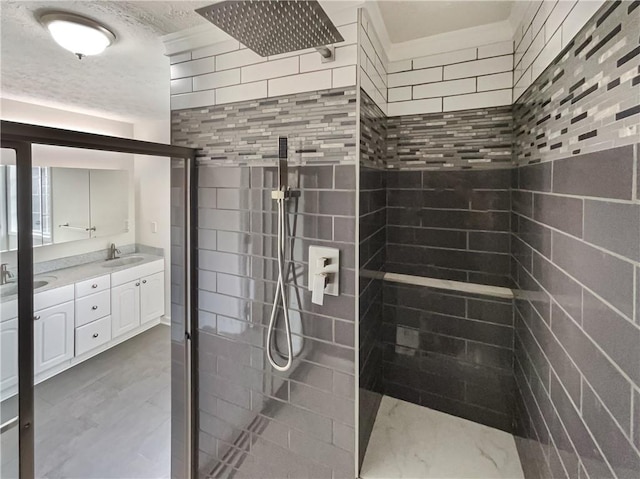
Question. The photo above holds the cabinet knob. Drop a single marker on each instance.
(137, 284)
(36, 318)
(94, 307)
(94, 286)
(95, 335)
(144, 281)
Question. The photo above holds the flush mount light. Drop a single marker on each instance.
(80, 35)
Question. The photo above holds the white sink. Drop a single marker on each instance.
(124, 261)
(11, 288)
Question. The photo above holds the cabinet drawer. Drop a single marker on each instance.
(93, 335)
(94, 285)
(93, 307)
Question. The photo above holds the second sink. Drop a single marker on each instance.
(116, 263)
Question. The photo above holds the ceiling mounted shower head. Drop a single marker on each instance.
(270, 27)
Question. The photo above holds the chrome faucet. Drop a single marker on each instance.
(5, 274)
(113, 252)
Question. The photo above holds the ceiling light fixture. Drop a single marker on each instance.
(80, 35)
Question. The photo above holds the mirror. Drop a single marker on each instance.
(69, 204)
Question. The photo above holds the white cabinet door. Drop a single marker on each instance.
(152, 297)
(125, 308)
(53, 331)
(8, 354)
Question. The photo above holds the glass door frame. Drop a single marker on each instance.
(20, 137)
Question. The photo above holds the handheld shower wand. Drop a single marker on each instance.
(281, 195)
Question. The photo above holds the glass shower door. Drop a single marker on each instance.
(9, 419)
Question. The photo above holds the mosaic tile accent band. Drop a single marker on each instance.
(480, 138)
(588, 98)
(321, 126)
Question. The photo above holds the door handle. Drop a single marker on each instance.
(144, 281)
(95, 335)
(36, 318)
(94, 307)
(94, 286)
(137, 284)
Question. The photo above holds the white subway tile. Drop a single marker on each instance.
(400, 66)
(193, 67)
(344, 56)
(180, 57)
(216, 79)
(243, 92)
(376, 76)
(479, 67)
(557, 16)
(542, 15)
(495, 81)
(366, 45)
(193, 100)
(577, 18)
(217, 49)
(270, 69)
(445, 88)
(238, 58)
(345, 76)
(399, 94)
(495, 50)
(534, 50)
(445, 58)
(349, 33)
(320, 80)
(548, 53)
(478, 100)
(414, 77)
(344, 16)
(183, 85)
(415, 107)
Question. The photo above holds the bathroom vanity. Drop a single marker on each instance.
(80, 312)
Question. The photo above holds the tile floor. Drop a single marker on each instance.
(109, 417)
(410, 441)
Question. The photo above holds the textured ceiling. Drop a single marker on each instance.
(410, 20)
(129, 81)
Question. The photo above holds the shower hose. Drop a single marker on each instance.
(281, 294)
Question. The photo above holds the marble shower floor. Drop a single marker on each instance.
(411, 441)
(106, 418)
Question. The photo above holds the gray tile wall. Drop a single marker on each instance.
(450, 351)
(255, 422)
(479, 138)
(575, 246)
(372, 240)
(450, 224)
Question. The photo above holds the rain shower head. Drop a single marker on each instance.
(270, 27)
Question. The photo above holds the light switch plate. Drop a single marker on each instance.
(332, 268)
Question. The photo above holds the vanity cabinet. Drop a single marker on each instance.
(151, 297)
(9, 353)
(53, 331)
(125, 308)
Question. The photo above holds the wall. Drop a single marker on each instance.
(575, 245)
(372, 61)
(544, 29)
(228, 72)
(457, 80)
(372, 258)
(449, 224)
(45, 155)
(152, 182)
(253, 420)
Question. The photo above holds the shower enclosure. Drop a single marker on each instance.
(481, 276)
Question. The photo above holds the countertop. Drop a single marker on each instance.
(75, 274)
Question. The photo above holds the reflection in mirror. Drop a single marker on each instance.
(69, 204)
